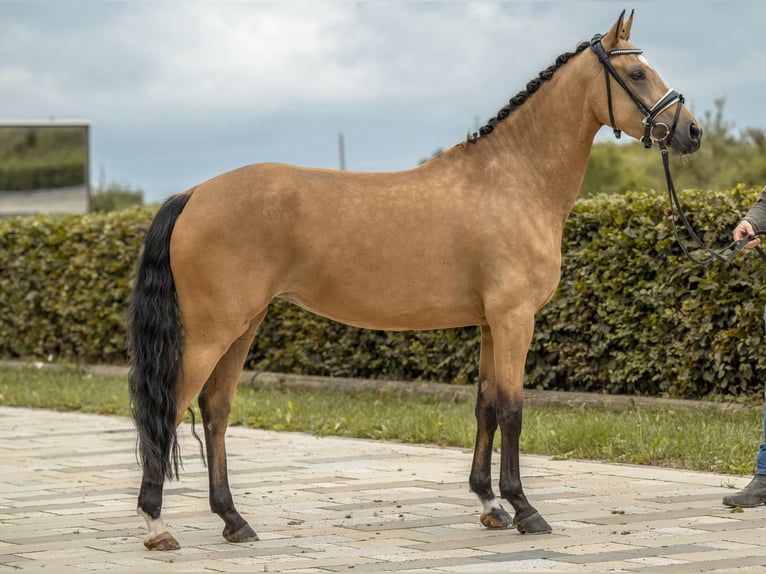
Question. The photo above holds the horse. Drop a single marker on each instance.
(471, 237)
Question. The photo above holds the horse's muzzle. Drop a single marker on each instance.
(687, 139)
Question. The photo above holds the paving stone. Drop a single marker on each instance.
(68, 488)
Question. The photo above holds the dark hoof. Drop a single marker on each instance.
(534, 524)
(164, 541)
(244, 534)
(496, 519)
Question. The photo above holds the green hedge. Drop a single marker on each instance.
(631, 316)
(64, 283)
(29, 176)
(634, 315)
(42, 157)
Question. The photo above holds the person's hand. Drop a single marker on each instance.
(745, 229)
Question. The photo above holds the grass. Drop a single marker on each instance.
(698, 439)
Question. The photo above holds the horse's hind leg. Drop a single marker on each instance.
(205, 358)
(150, 506)
(193, 375)
(215, 404)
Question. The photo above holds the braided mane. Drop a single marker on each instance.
(523, 95)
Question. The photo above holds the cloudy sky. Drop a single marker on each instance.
(179, 91)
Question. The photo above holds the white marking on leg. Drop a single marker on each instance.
(490, 505)
(156, 526)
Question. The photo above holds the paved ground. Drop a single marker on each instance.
(68, 486)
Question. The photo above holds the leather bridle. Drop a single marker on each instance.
(650, 122)
(671, 97)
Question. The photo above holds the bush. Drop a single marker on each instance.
(114, 197)
(42, 157)
(65, 283)
(728, 156)
(632, 314)
(291, 340)
(17, 176)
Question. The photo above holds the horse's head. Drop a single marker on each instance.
(630, 96)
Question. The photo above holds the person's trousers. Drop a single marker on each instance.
(760, 463)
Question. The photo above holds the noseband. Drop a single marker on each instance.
(650, 123)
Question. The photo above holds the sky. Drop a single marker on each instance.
(177, 92)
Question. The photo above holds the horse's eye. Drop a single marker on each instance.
(637, 75)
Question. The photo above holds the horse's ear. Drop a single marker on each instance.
(620, 31)
(626, 28)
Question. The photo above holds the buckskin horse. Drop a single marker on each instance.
(471, 237)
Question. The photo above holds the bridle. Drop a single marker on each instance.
(671, 97)
(650, 114)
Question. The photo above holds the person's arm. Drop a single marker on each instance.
(757, 214)
(753, 222)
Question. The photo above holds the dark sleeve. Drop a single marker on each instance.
(757, 214)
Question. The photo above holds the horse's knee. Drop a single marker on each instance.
(486, 414)
(480, 483)
(509, 416)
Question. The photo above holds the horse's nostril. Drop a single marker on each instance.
(695, 132)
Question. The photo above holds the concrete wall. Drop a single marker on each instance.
(60, 200)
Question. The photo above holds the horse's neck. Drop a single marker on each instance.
(547, 140)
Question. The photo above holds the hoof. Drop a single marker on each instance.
(496, 519)
(244, 534)
(163, 541)
(534, 524)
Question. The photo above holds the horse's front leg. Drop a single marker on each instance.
(512, 337)
(480, 481)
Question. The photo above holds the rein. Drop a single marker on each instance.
(723, 255)
(671, 97)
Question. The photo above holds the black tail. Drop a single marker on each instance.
(155, 344)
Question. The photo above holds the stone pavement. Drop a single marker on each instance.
(68, 487)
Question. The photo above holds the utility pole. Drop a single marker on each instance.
(342, 152)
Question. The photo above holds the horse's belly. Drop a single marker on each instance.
(389, 311)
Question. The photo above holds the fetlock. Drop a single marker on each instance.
(754, 494)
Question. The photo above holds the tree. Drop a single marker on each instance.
(114, 196)
(727, 157)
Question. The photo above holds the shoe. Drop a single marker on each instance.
(754, 494)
